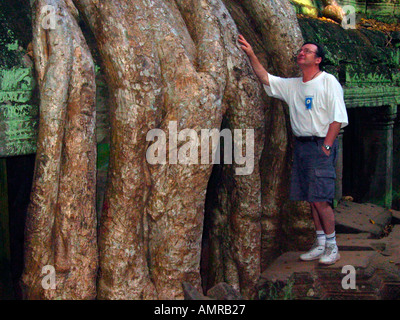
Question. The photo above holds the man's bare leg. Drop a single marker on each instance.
(326, 217)
(327, 222)
(318, 247)
(316, 219)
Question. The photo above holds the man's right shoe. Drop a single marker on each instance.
(315, 253)
(331, 255)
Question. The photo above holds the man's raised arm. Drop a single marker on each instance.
(260, 71)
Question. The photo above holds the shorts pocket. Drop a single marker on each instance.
(325, 173)
(324, 188)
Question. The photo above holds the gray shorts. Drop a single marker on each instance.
(313, 172)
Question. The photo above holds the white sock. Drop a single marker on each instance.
(331, 238)
(321, 239)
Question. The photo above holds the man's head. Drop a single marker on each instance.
(311, 54)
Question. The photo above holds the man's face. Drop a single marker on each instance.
(307, 55)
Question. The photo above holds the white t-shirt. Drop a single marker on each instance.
(313, 105)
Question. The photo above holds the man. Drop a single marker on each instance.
(317, 113)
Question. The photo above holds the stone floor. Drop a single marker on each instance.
(368, 237)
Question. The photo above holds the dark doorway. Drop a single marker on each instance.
(19, 182)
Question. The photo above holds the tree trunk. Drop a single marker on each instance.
(274, 29)
(174, 66)
(61, 222)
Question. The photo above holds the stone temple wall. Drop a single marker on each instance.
(385, 10)
(382, 10)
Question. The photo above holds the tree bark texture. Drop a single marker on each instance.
(61, 221)
(165, 61)
(273, 28)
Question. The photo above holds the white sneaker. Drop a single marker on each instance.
(315, 252)
(331, 254)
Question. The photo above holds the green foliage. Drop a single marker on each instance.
(396, 199)
(278, 291)
(306, 7)
(103, 155)
(8, 54)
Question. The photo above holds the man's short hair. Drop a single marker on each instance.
(320, 52)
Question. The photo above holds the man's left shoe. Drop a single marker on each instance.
(331, 254)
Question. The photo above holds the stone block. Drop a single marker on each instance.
(223, 291)
(395, 217)
(359, 242)
(290, 277)
(354, 217)
(191, 293)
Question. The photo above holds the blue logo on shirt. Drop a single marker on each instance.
(308, 103)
